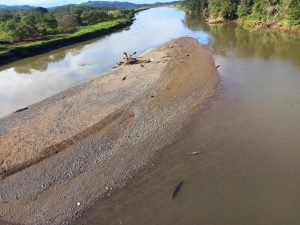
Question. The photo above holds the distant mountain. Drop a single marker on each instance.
(16, 7)
(105, 4)
(96, 4)
(116, 4)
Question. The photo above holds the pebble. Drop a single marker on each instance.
(78, 203)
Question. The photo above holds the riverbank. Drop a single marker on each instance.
(255, 25)
(252, 23)
(84, 33)
(60, 155)
(293, 30)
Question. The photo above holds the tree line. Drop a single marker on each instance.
(286, 11)
(37, 23)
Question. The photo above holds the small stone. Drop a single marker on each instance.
(78, 203)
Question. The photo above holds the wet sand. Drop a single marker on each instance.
(60, 155)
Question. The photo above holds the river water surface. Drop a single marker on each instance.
(249, 134)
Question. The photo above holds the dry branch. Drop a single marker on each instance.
(129, 60)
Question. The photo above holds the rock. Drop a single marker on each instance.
(194, 153)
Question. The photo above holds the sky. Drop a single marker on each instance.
(49, 3)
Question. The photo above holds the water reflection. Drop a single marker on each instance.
(266, 44)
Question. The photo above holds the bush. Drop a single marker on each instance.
(223, 8)
(294, 12)
(245, 8)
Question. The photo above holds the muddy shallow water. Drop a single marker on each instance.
(247, 172)
(248, 135)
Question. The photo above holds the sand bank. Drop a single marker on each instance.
(62, 154)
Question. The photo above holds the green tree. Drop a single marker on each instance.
(67, 23)
(244, 8)
(196, 5)
(223, 8)
(294, 12)
(40, 22)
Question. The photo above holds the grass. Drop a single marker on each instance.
(99, 26)
(17, 51)
(82, 32)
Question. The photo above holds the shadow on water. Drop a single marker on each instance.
(266, 44)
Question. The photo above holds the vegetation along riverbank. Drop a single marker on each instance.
(25, 33)
(282, 14)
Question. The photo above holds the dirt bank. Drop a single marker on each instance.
(60, 155)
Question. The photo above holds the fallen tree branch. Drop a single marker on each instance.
(130, 60)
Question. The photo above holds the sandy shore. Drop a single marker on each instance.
(62, 154)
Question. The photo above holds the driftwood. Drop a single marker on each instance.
(177, 189)
(20, 110)
(129, 59)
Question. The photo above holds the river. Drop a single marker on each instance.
(30, 80)
(248, 134)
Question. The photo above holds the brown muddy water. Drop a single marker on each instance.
(248, 134)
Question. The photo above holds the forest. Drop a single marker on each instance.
(254, 12)
(40, 23)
